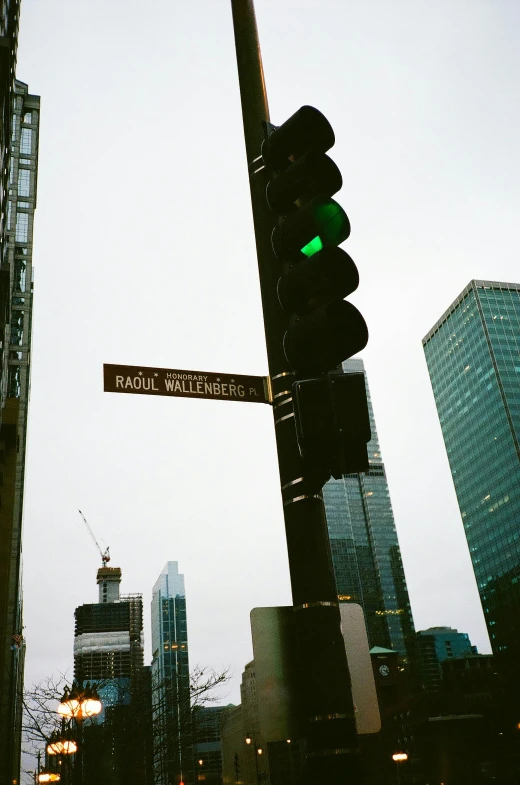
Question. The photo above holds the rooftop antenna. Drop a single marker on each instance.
(105, 556)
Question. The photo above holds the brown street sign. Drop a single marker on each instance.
(184, 384)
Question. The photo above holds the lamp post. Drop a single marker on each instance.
(399, 757)
(236, 763)
(258, 751)
(63, 746)
(77, 703)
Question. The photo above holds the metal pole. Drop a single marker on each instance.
(327, 713)
(237, 767)
(78, 763)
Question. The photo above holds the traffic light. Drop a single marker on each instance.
(315, 275)
(332, 424)
(324, 329)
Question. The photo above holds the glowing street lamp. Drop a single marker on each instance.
(399, 757)
(62, 747)
(48, 776)
(79, 703)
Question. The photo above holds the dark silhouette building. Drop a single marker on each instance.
(19, 128)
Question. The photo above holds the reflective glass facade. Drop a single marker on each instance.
(365, 550)
(172, 749)
(473, 357)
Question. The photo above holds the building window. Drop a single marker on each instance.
(22, 227)
(27, 118)
(17, 328)
(13, 390)
(26, 140)
(24, 182)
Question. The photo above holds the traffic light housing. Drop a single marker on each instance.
(332, 424)
(315, 275)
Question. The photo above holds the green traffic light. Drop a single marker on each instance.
(332, 224)
(320, 223)
(313, 247)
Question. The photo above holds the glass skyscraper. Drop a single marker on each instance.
(473, 357)
(173, 754)
(365, 550)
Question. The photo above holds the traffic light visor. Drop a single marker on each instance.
(327, 275)
(326, 337)
(307, 129)
(314, 173)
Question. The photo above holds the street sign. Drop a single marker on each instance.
(141, 380)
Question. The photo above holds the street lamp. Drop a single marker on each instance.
(48, 776)
(78, 703)
(60, 742)
(399, 757)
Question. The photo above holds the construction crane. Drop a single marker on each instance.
(105, 557)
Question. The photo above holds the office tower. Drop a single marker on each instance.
(207, 748)
(473, 357)
(437, 644)
(109, 652)
(365, 550)
(173, 754)
(15, 343)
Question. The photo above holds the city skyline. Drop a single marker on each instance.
(150, 260)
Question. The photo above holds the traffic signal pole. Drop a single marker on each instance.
(326, 708)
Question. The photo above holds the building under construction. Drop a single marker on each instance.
(109, 653)
(108, 640)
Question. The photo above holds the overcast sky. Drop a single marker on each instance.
(144, 255)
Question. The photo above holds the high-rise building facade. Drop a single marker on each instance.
(207, 747)
(109, 653)
(473, 357)
(9, 19)
(365, 549)
(19, 202)
(437, 644)
(173, 753)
